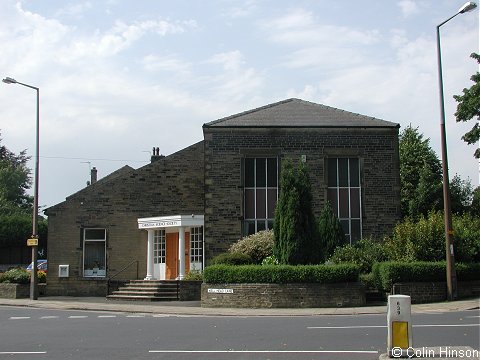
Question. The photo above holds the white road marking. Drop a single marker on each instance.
(106, 316)
(347, 327)
(384, 326)
(22, 352)
(447, 325)
(470, 317)
(135, 316)
(49, 317)
(19, 317)
(78, 317)
(263, 351)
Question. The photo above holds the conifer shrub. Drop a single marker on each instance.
(330, 231)
(296, 242)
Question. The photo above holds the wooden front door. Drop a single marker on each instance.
(171, 252)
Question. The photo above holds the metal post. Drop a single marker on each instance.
(34, 275)
(450, 259)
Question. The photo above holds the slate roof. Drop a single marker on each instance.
(297, 113)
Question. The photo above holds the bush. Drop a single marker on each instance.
(468, 272)
(388, 273)
(281, 274)
(363, 253)
(16, 276)
(42, 277)
(270, 260)
(258, 246)
(467, 238)
(194, 275)
(424, 240)
(232, 259)
(368, 280)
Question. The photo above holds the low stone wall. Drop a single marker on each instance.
(77, 287)
(14, 291)
(283, 295)
(426, 292)
(189, 290)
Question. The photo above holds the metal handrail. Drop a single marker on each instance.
(119, 272)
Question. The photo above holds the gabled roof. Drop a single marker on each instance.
(105, 180)
(296, 113)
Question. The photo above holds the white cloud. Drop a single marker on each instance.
(230, 61)
(408, 7)
(244, 9)
(169, 63)
(76, 10)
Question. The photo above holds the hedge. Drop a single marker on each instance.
(281, 274)
(388, 273)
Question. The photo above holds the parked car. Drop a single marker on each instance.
(41, 265)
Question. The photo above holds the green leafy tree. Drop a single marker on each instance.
(461, 195)
(330, 231)
(428, 194)
(468, 108)
(294, 227)
(475, 205)
(14, 182)
(415, 155)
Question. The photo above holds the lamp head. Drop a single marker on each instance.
(468, 6)
(9, 80)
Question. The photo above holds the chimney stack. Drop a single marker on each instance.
(156, 154)
(93, 175)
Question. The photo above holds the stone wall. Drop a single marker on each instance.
(283, 295)
(170, 186)
(225, 149)
(189, 290)
(427, 292)
(14, 291)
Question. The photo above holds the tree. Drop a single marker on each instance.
(330, 231)
(14, 182)
(469, 108)
(461, 195)
(294, 226)
(475, 206)
(417, 158)
(428, 195)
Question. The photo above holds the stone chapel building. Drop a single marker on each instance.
(176, 213)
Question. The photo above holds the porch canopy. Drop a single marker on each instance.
(175, 222)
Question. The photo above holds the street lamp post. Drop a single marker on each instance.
(450, 257)
(34, 276)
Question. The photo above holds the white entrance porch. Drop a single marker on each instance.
(175, 245)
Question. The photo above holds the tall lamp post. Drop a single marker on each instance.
(34, 276)
(450, 258)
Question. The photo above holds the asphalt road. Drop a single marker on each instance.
(30, 333)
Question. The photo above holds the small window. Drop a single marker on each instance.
(94, 254)
(159, 246)
(196, 245)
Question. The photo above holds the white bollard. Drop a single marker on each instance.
(399, 319)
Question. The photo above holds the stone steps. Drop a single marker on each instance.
(147, 290)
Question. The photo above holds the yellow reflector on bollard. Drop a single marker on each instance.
(400, 334)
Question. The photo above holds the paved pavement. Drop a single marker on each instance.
(194, 307)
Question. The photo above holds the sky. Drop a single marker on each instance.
(119, 77)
